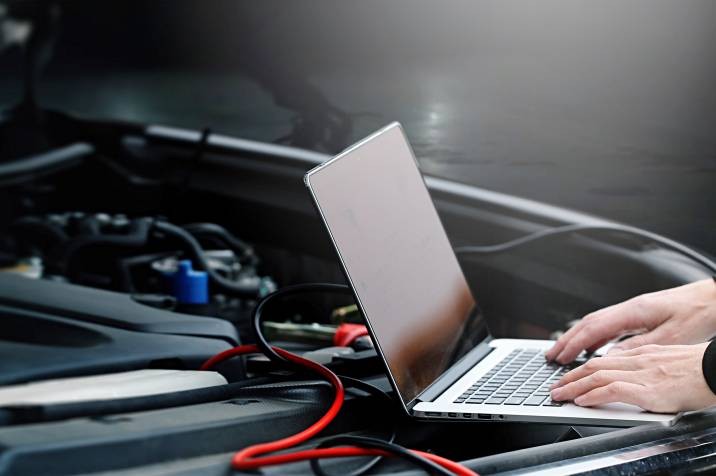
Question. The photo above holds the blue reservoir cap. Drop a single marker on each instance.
(190, 286)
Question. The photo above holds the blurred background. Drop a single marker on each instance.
(608, 106)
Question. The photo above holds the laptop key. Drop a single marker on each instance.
(535, 401)
(514, 400)
(552, 403)
(494, 401)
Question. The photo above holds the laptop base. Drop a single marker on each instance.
(452, 405)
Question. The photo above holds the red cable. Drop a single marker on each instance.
(251, 456)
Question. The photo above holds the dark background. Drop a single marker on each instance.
(605, 106)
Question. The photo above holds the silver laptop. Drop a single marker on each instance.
(418, 307)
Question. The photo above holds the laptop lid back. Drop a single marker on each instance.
(397, 258)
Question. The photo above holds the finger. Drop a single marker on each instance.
(571, 333)
(562, 341)
(641, 350)
(590, 335)
(596, 364)
(640, 340)
(600, 378)
(625, 392)
(598, 345)
(597, 329)
(558, 346)
(603, 325)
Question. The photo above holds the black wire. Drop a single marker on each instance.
(292, 290)
(567, 229)
(268, 351)
(226, 285)
(397, 450)
(25, 169)
(372, 390)
(196, 158)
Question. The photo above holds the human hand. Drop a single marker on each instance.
(682, 315)
(657, 378)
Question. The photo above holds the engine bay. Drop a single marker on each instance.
(131, 254)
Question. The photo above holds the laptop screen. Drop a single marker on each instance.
(398, 259)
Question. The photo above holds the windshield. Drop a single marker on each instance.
(605, 107)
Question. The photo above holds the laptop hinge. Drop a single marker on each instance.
(454, 373)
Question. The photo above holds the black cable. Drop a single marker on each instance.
(367, 442)
(248, 289)
(371, 390)
(196, 158)
(182, 188)
(268, 351)
(243, 249)
(292, 290)
(26, 168)
(562, 230)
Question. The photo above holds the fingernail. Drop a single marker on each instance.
(555, 385)
(557, 394)
(579, 401)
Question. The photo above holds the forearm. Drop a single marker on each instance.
(708, 363)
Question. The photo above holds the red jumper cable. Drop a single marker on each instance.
(252, 457)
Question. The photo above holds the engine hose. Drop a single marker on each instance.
(249, 289)
(243, 249)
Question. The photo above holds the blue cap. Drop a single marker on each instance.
(189, 286)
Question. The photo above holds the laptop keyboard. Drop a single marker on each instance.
(524, 377)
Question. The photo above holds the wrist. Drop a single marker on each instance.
(711, 305)
(704, 307)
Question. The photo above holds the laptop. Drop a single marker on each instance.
(418, 307)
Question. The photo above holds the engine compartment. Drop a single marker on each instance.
(132, 247)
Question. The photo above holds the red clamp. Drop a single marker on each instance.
(347, 333)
